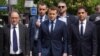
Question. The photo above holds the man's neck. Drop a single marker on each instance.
(63, 14)
(42, 15)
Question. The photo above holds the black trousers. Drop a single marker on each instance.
(80, 53)
(17, 54)
(35, 48)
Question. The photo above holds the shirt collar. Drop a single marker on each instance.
(84, 21)
(42, 16)
(13, 26)
(53, 21)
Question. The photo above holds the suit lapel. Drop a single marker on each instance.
(35, 19)
(76, 29)
(47, 26)
(56, 25)
(87, 28)
(20, 34)
(8, 33)
(46, 17)
(68, 20)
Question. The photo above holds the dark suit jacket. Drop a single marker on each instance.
(33, 28)
(1, 42)
(24, 39)
(98, 36)
(71, 19)
(87, 44)
(53, 40)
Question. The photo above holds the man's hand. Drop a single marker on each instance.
(38, 24)
(39, 54)
(64, 54)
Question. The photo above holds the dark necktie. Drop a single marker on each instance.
(52, 26)
(15, 45)
(41, 19)
(81, 29)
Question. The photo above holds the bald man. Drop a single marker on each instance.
(16, 40)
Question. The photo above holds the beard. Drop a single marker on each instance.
(62, 12)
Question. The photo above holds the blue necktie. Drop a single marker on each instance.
(41, 19)
(51, 26)
(81, 28)
(15, 45)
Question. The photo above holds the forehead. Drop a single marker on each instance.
(81, 10)
(14, 14)
(61, 4)
(42, 6)
(52, 11)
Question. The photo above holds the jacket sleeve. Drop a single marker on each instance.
(39, 39)
(65, 38)
(94, 41)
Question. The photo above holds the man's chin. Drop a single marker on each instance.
(14, 24)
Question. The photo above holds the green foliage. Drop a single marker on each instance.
(2, 2)
(20, 6)
(72, 4)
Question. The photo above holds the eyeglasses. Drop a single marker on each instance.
(81, 12)
(61, 6)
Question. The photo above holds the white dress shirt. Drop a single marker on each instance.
(43, 18)
(63, 18)
(54, 22)
(11, 40)
(84, 26)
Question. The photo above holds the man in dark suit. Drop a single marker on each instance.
(98, 36)
(63, 15)
(83, 35)
(67, 18)
(50, 36)
(34, 25)
(1, 41)
(96, 19)
(16, 37)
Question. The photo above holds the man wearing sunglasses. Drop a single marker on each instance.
(34, 25)
(83, 38)
(63, 15)
(68, 19)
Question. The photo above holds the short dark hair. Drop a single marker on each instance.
(42, 3)
(53, 8)
(82, 7)
(62, 2)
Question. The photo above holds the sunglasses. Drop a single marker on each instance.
(81, 12)
(61, 6)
